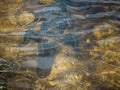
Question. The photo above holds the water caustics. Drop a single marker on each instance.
(78, 24)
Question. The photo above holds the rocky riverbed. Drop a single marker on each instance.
(96, 65)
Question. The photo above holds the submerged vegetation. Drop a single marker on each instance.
(96, 67)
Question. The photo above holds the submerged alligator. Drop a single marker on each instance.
(57, 29)
(55, 22)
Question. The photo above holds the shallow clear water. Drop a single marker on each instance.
(70, 45)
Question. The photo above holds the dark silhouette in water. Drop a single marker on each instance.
(55, 21)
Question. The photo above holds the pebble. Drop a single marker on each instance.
(51, 83)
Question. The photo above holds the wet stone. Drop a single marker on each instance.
(2, 84)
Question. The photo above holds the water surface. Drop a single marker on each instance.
(70, 45)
